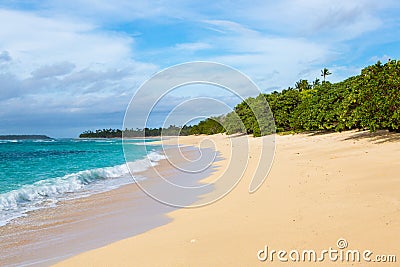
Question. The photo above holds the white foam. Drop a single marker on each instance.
(48, 192)
(9, 141)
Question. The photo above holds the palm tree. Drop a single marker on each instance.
(325, 72)
(316, 83)
(302, 85)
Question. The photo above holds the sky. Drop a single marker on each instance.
(70, 66)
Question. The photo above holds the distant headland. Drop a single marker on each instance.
(25, 137)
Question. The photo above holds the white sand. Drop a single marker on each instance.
(320, 188)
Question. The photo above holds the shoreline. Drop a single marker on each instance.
(321, 187)
(37, 184)
(49, 235)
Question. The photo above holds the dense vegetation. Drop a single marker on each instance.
(208, 126)
(172, 130)
(369, 101)
(105, 133)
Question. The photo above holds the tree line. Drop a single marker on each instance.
(102, 133)
(172, 130)
(368, 101)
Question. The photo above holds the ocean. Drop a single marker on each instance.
(36, 174)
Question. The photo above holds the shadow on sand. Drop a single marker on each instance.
(379, 137)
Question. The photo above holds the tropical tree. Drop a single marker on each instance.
(233, 124)
(370, 101)
(316, 83)
(325, 72)
(282, 106)
(302, 85)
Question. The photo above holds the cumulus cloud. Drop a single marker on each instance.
(65, 68)
(5, 56)
(10, 87)
(57, 69)
(80, 61)
(56, 39)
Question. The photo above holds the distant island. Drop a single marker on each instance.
(24, 137)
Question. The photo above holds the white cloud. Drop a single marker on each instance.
(5, 56)
(57, 69)
(272, 61)
(61, 58)
(382, 59)
(34, 41)
(53, 67)
(192, 47)
(338, 20)
(226, 26)
(103, 11)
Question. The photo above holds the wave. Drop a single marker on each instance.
(44, 140)
(8, 141)
(3, 141)
(47, 192)
(143, 143)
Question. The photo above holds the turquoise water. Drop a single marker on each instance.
(38, 173)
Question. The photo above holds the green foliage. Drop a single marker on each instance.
(208, 126)
(172, 130)
(303, 85)
(370, 100)
(316, 83)
(318, 109)
(233, 124)
(252, 116)
(247, 117)
(264, 124)
(105, 133)
(377, 96)
(282, 105)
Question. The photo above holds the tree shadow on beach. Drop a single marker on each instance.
(316, 133)
(236, 135)
(378, 137)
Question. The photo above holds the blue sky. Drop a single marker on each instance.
(68, 66)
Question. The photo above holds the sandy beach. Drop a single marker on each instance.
(49, 235)
(199, 133)
(322, 189)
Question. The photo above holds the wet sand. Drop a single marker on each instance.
(49, 235)
(321, 188)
